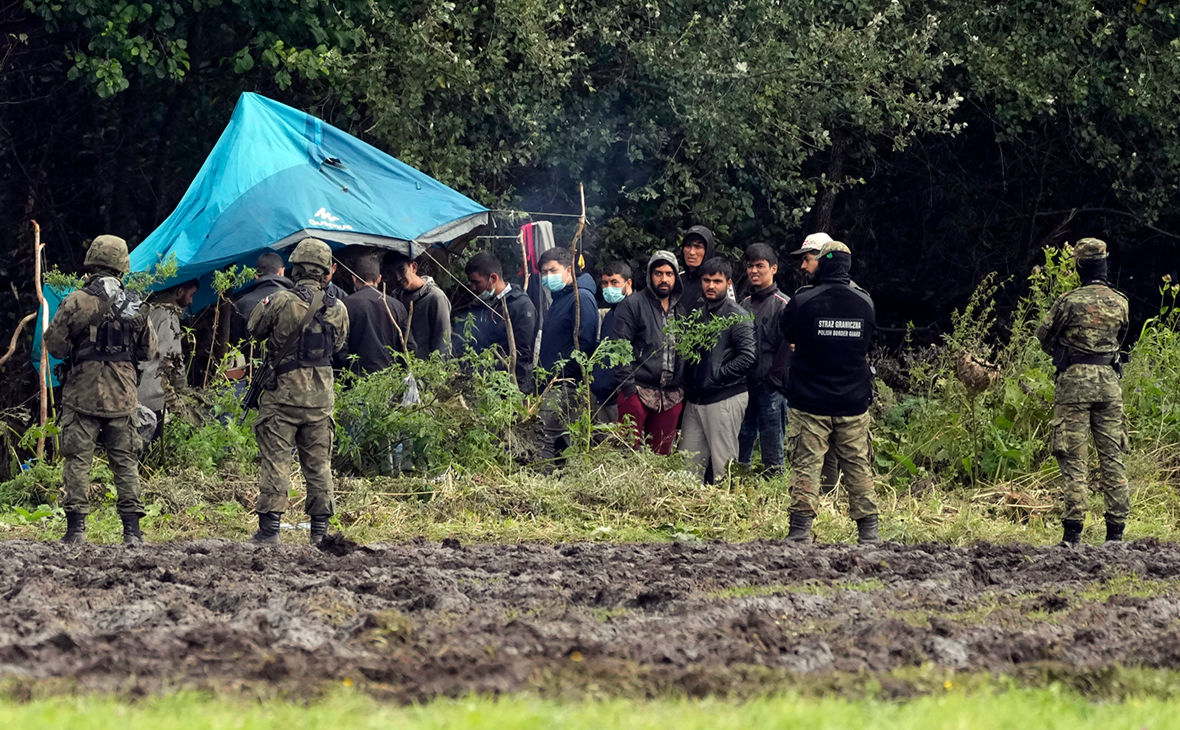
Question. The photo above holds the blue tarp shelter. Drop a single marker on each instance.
(278, 175)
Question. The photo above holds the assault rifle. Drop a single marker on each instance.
(266, 375)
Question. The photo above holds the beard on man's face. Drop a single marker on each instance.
(663, 289)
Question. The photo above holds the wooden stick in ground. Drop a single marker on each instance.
(212, 342)
(42, 387)
(19, 327)
(511, 342)
(574, 266)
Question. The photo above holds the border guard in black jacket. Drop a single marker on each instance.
(829, 390)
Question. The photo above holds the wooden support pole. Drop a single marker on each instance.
(43, 380)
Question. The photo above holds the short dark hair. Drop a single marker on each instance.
(558, 254)
(269, 263)
(761, 252)
(717, 265)
(617, 268)
(485, 265)
(368, 267)
(398, 261)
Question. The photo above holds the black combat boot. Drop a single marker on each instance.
(75, 528)
(268, 528)
(1114, 529)
(131, 533)
(1072, 534)
(800, 527)
(866, 531)
(319, 528)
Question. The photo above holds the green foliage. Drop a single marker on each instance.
(227, 280)
(1152, 379)
(35, 484)
(161, 271)
(124, 42)
(136, 281)
(934, 426)
(204, 433)
(693, 335)
(61, 282)
(462, 417)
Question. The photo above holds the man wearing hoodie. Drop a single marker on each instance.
(615, 282)
(830, 387)
(764, 419)
(697, 247)
(573, 312)
(428, 307)
(715, 391)
(651, 385)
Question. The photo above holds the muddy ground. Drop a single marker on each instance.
(413, 621)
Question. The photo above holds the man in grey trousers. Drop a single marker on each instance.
(715, 391)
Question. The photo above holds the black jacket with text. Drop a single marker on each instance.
(831, 324)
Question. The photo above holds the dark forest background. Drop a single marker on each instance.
(942, 140)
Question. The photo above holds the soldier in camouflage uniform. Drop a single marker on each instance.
(831, 323)
(101, 332)
(296, 408)
(1083, 333)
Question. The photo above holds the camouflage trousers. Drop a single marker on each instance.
(80, 433)
(278, 430)
(808, 440)
(1073, 424)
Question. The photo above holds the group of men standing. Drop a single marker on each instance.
(769, 350)
(790, 373)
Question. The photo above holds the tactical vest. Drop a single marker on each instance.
(317, 341)
(109, 337)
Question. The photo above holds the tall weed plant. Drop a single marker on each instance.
(934, 427)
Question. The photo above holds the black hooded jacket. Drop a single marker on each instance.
(640, 319)
(831, 324)
(690, 279)
(721, 372)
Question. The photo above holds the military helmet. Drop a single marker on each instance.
(108, 252)
(833, 247)
(1090, 248)
(312, 251)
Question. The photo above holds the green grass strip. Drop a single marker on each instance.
(1018, 708)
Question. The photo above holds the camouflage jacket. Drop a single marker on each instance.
(164, 374)
(1090, 320)
(94, 387)
(276, 319)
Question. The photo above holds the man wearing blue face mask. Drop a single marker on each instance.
(615, 280)
(573, 308)
(502, 308)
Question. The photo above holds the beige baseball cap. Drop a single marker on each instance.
(812, 244)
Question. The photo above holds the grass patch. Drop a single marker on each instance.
(815, 588)
(1015, 708)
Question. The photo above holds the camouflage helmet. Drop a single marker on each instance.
(108, 252)
(833, 247)
(1090, 248)
(312, 251)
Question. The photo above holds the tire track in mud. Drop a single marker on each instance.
(422, 619)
